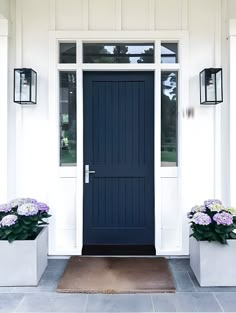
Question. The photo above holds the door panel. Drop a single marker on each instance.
(119, 147)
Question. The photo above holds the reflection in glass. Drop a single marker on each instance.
(118, 53)
(169, 52)
(169, 118)
(219, 90)
(67, 118)
(67, 52)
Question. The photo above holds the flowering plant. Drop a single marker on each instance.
(20, 219)
(213, 222)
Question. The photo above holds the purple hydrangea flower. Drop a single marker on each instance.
(212, 202)
(8, 220)
(28, 209)
(5, 208)
(223, 218)
(19, 201)
(201, 218)
(30, 200)
(42, 207)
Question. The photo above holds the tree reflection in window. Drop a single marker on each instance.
(147, 57)
(68, 118)
(169, 118)
(118, 53)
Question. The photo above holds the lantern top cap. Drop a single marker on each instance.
(22, 69)
(213, 70)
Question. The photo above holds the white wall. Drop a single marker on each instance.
(198, 145)
(4, 8)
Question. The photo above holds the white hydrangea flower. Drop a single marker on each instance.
(231, 210)
(216, 207)
(27, 209)
(16, 202)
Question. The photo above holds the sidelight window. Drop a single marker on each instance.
(169, 118)
(67, 117)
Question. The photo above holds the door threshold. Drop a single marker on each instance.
(119, 250)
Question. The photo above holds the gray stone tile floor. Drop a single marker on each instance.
(189, 296)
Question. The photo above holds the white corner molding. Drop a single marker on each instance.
(232, 27)
(3, 26)
(232, 110)
(3, 107)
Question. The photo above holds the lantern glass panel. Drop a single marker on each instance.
(219, 97)
(33, 87)
(210, 86)
(202, 86)
(25, 78)
(17, 86)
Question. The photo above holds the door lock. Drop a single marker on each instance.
(86, 174)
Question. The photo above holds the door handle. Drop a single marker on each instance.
(87, 172)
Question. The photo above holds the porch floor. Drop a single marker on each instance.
(189, 296)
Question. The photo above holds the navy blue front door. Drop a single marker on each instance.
(119, 147)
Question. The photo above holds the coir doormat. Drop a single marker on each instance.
(116, 275)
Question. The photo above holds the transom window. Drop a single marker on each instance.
(169, 52)
(118, 53)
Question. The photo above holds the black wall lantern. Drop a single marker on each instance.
(25, 86)
(211, 86)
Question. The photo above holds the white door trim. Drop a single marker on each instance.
(54, 67)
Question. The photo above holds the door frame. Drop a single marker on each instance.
(62, 172)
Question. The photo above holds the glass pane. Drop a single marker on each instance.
(202, 86)
(118, 53)
(169, 52)
(67, 52)
(68, 118)
(210, 86)
(17, 85)
(25, 85)
(33, 88)
(169, 118)
(219, 86)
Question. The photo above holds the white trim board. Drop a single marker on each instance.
(4, 108)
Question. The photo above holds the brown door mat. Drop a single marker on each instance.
(116, 275)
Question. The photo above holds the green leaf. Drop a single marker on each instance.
(17, 230)
(232, 235)
(12, 237)
(26, 222)
(7, 231)
(22, 236)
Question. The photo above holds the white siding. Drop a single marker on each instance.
(71, 8)
(102, 15)
(135, 14)
(169, 14)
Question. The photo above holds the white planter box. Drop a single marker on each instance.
(23, 262)
(213, 264)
